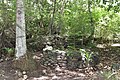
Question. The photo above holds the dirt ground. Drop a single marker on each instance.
(8, 72)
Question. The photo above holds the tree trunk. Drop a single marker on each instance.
(60, 23)
(20, 29)
(91, 21)
(50, 26)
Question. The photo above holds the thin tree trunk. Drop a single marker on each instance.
(20, 29)
(50, 26)
(61, 14)
(91, 20)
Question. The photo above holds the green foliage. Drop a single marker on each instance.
(72, 17)
(76, 19)
(82, 55)
(9, 51)
(108, 75)
(106, 22)
(85, 55)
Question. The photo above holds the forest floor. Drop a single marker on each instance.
(107, 57)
